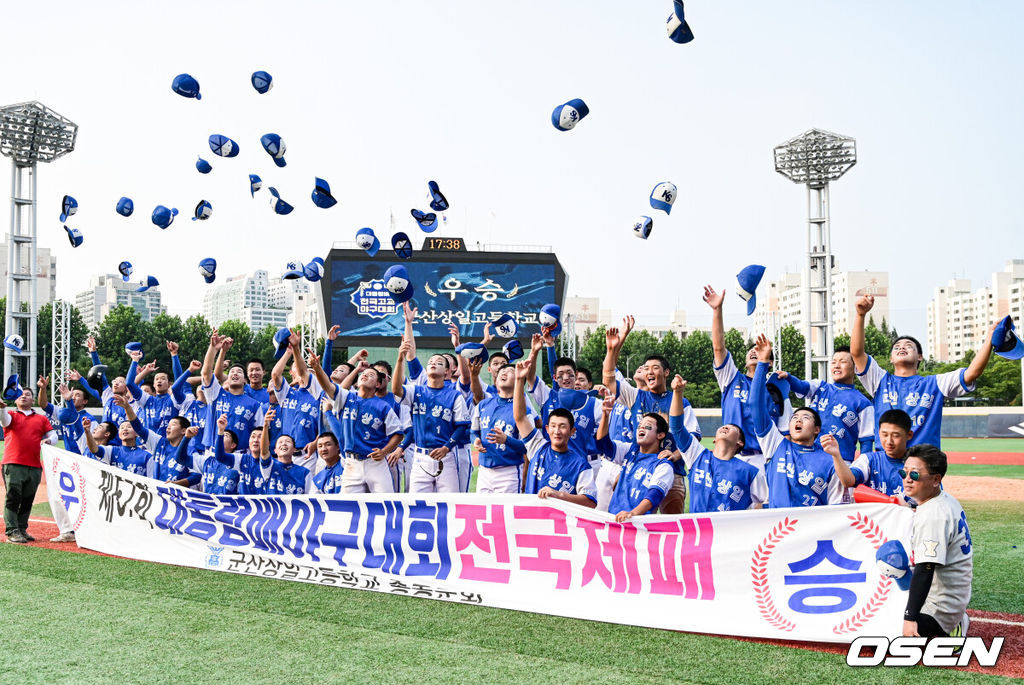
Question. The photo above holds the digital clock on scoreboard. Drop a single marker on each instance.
(452, 285)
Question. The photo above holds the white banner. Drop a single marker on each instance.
(795, 574)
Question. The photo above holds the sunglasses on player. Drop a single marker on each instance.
(914, 475)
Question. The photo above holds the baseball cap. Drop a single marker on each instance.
(223, 146)
(427, 221)
(437, 201)
(133, 347)
(642, 226)
(68, 207)
(893, 562)
(367, 240)
(402, 246)
(186, 86)
(203, 166)
(281, 341)
(255, 183)
(164, 216)
(678, 30)
(275, 147)
(126, 269)
(294, 269)
(314, 271)
(14, 342)
(203, 211)
(13, 390)
(663, 196)
(566, 116)
(262, 81)
(505, 326)
(513, 349)
(280, 206)
(397, 282)
(473, 351)
(147, 282)
(550, 317)
(746, 285)
(74, 236)
(322, 197)
(1005, 342)
(208, 269)
(125, 206)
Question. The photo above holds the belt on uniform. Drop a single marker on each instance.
(358, 457)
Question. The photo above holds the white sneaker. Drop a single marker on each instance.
(64, 537)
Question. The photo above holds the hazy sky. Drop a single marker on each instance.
(379, 97)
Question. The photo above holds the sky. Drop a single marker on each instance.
(380, 97)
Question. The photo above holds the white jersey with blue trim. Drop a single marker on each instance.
(299, 411)
(434, 413)
(640, 472)
(879, 472)
(327, 480)
(798, 475)
(722, 484)
(845, 413)
(919, 396)
(568, 472)
(367, 423)
(496, 412)
(158, 410)
(244, 413)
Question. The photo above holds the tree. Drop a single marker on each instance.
(638, 346)
(163, 328)
(697, 367)
(263, 344)
(119, 327)
(793, 350)
(242, 350)
(736, 345)
(591, 353)
(44, 335)
(194, 338)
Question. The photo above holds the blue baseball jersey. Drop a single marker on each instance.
(718, 484)
(735, 387)
(434, 413)
(113, 413)
(920, 396)
(137, 460)
(640, 474)
(367, 423)
(68, 421)
(496, 412)
(879, 471)
(243, 412)
(845, 412)
(218, 479)
(642, 402)
(287, 479)
(299, 411)
(262, 395)
(328, 480)
(620, 423)
(157, 411)
(196, 412)
(168, 466)
(568, 472)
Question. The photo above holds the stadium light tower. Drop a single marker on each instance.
(815, 159)
(30, 133)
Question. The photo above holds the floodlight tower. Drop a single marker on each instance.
(814, 159)
(30, 133)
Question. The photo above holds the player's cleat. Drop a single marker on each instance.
(17, 537)
(64, 537)
(29, 536)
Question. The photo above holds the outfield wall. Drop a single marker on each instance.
(957, 422)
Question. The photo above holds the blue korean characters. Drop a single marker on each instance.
(566, 116)
(186, 86)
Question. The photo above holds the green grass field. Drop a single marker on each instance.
(83, 618)
(983, 444)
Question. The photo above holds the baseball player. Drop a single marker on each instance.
(283, 475)
(942, 555)
(879, 470)
(496, 436)
(919, 396)
(243, 411)
(328, 479)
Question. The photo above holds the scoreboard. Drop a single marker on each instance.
(452, 285)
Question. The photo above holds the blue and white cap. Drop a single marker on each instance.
(294, 269)
(125, 206)
(314, 271)
(126, 269)
(281, 341)
(74, 236)
(203, 211)
(223, 146)
(426, 220)
(642, 226)
(203, 166)
(780, 384)
(322, 197)
(279, 205)
(208, 269)
(147, 282)
(893, 562)
(678, 30)
(438, 203)
(1005, 342)
(506, 326)
(366, 240)
(13, 389)
(133, 347)
(274, 146)
(68, 207)
(402, 246)
(396, 280)
(255, 183)
(513, 349)
(746, 285)
(186, 86)
(550, 316)
(164, 216)
(14, 342)
(472, 351)
(663, 196)
(565, 117)
(262, 81)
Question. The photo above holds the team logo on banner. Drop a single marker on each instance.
(838, 586)
(72, 490)
(215, 557)
(372, 299)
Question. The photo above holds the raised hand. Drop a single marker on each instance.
(628, 322)
(268, 418)
(136, 355)
(195, 365)
(864, 304)
(522, 370)
(172, 347)
(453, 331)
(409, 312)
(148, 368)
(226, 343)
(86, 423)
(475, 367)
(830, 445)
(42, 383)
(332, 334)
(536, 343)
(90, 343)
(678, 384)
(488, 336)
(714, 299)
(479, 446)
(222, 422)
(763, 348)
(65, 392)
(611, 338)
(191, 432)
(73, 375)
(608, 404)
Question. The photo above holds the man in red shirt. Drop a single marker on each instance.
(24, 433)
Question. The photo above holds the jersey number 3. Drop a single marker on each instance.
(962, 526)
